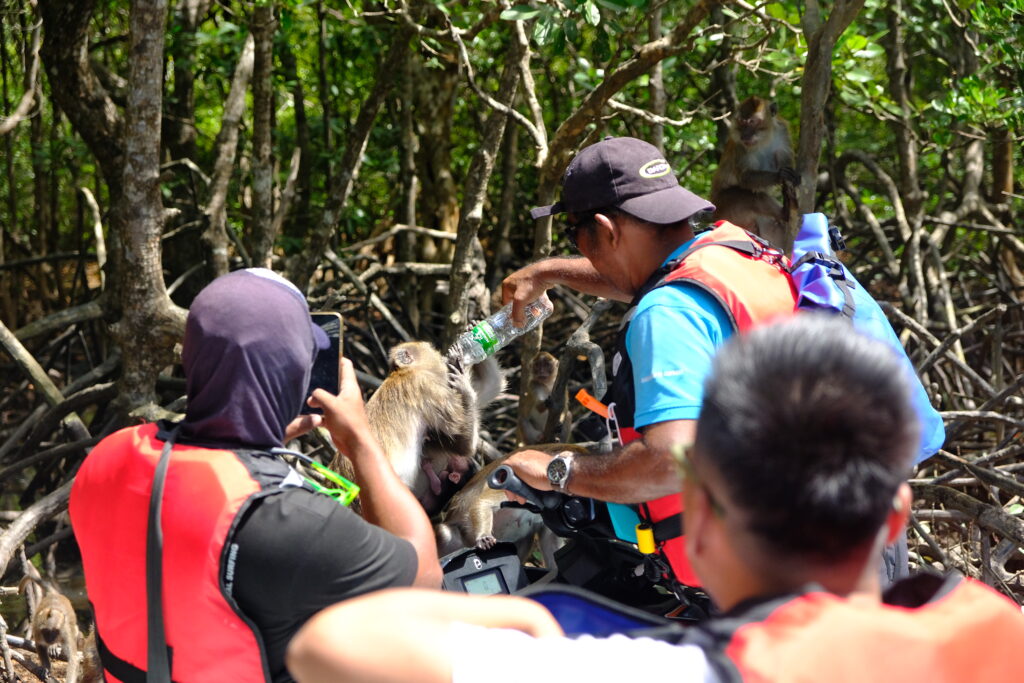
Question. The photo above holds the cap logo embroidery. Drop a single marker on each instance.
(655, 169)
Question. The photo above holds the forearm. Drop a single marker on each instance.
(642, 470)
(634, 473)
(576, 273)
(579, 274)
(389, 504)
(401, 635)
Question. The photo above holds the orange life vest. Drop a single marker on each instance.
(964, 632)
(206, 492)
(751, 280)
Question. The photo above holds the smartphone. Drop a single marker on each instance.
(325, 365)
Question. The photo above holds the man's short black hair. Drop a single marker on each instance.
(811, 428)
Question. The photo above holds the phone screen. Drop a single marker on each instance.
(325, 365)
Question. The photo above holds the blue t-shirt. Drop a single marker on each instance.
(673, 336)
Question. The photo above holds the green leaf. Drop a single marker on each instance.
(776, 11)
(859, 75)
(1014, 509)
(543, 32)
(615, 5)
(591, 13)
(856, 42)
(601, 46)
(571, 30)
(520, 13)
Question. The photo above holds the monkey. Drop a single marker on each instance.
(475, 519)
(92, 667)
(758, 155)
(458, 471)
(425, 413)
(536, 399)
(55, 626)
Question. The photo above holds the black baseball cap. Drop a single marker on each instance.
(628, 174)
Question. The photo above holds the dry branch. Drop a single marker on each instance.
(987, 516)
(20, 112)
(43, 509)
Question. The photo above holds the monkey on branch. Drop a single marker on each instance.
(758, 156)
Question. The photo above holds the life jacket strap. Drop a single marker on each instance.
(122, 670)
(668, 528)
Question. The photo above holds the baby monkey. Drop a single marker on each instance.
(475, 518)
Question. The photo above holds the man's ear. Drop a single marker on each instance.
(696, 514)
(896, 521)
(607, 227)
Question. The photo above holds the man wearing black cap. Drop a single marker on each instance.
(250, 549)
(634, 225)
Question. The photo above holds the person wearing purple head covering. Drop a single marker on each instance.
(250, 551)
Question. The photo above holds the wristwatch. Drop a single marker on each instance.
(559, 470)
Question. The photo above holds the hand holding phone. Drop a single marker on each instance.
(325, 366)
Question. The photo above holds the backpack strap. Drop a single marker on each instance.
(158, 654)
(835, 271)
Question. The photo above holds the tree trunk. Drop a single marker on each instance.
(299, 218)
(1002, 166)
(815, 85)
(216, 233)
(898, 70)
(467, 271)
(263, 28)
(7, 307)
(723, 78)
(150, 324)
(656, 84)
(408, 284)
(179, 126)
(500, 243)
(326, 105)
(305, 264)
(75, 88)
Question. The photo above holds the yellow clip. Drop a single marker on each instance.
(645, 539)
(591, 403)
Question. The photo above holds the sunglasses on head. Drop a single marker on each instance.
(684, 458)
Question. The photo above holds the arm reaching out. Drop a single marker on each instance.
(528, 283)
(401, 635)
(386, 501)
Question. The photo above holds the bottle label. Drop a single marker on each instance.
(483, 334)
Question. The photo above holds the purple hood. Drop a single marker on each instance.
(247, 356)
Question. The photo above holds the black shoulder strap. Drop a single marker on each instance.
(158, 660)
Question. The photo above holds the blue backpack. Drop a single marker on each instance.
(824, 283)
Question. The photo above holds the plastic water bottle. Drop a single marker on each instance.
(497, 331)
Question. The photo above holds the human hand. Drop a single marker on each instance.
(532, 469)
(301, 425)
(522, 287)
(344, 414)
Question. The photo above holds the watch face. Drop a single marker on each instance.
(558, 470)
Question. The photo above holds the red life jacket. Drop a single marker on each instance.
(964, 632)
(751, 280)
(205, 494)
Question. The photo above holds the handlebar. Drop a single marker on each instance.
(504, 478)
